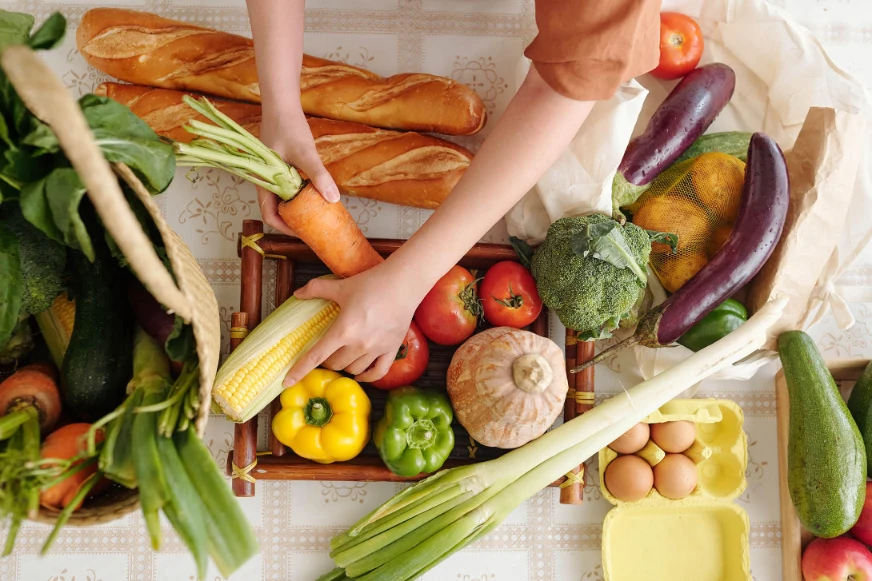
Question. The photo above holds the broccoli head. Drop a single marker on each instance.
(584, 272)
(42, 263)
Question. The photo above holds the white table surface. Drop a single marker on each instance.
(542, 540)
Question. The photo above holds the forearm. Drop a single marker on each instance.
(277, 30)
(536, 127)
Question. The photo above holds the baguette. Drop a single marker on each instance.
(408, 169)
(146, 49)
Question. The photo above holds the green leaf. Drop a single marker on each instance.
(43, 139)
(605, 241)
(50, 34)
(21, 167)
(4, 132)
(180, 345)
(11, 285)
(14, 28)
(523, 250)
(664, 238)
(52, 205)
(123, 137)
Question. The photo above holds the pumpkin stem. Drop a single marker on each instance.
(532, 373)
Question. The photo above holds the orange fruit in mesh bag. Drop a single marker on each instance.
(671, 212)
(675, 270)
(719, 238)
(717, 180)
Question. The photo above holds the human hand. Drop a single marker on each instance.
(286, 132)
(374, 316)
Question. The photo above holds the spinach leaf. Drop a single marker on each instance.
(667, 238)
(605, 241)
(52, 205)
(14, 28)
(124, 137)
(180, 345)
(50, 34)
(11, 287)
(43, 139)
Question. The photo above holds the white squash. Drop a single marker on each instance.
(507, 386)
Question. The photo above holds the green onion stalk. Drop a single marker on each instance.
(224, 144)
(433, 519)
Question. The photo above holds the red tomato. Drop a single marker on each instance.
(681, 45)
(509, 296)
(411, 361)
(449, 313)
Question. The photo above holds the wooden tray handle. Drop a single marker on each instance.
(579, 399)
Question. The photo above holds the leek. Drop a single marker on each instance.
(431, 520)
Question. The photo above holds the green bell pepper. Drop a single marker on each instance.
(726, 318)
(415, 434)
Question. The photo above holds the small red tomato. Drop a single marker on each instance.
(410, 363)
(449, 313)
(509, 296)
(681, 45)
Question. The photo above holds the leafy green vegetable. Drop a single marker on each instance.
(588, 293)
(664, 238)
(14, 28)
(19, 344)
(50, 34)
(180, 345)
(52, 205)
(605, 241)
(522, 249)
(11, 285)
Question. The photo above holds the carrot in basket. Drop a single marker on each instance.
(65, 444)
(328, 229)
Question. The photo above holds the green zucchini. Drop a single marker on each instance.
(826, 460)
(733, 143)
(860, 406)
(99, 359)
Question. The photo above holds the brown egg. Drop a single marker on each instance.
(673, 437)
(629, 478)
(633, 440)
(675, 476)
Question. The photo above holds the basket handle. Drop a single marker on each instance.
(47, 98)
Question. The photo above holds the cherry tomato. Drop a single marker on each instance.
(449, 313)
(411, 362)
(681, 45)
(509, 296)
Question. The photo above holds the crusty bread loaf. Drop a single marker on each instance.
(409, 169)
(150, 50)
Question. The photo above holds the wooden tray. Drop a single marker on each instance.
(794, 537)
(297, 264)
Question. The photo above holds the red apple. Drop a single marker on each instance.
(839, 559)
(862, 531)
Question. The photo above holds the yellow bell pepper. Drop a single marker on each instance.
(325, 417)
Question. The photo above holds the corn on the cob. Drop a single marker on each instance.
(56, 325)
(252, 376)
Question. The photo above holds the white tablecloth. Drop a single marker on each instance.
(476, 42)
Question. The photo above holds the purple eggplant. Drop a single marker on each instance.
(763, 211)
(149, 313)
(683, 117)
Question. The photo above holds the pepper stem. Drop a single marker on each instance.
(421, 434)
(318, 412)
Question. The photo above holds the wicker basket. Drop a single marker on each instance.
(188, 296)
(296, 265)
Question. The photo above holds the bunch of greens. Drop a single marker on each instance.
(40, 193)
(592, 271)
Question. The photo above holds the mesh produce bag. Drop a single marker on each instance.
(698, 200)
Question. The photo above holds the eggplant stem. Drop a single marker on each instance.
(606, 353)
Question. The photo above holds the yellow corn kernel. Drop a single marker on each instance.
(252, 376)
(56, 324)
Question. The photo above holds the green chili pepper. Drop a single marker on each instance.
(415, 434)
(726, 318)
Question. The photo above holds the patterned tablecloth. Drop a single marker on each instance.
(477, 42)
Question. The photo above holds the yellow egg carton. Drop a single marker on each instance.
(702, 537)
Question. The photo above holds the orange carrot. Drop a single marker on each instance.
(34, 385)
(65, 443)
(330, 231)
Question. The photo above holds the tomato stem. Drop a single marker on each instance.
(514, 301)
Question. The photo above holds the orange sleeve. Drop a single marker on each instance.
(586, 49)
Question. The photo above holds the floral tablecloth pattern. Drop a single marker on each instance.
(476, 42)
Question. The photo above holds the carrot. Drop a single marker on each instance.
(34, 385)
(330, 231)
(64, 444)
